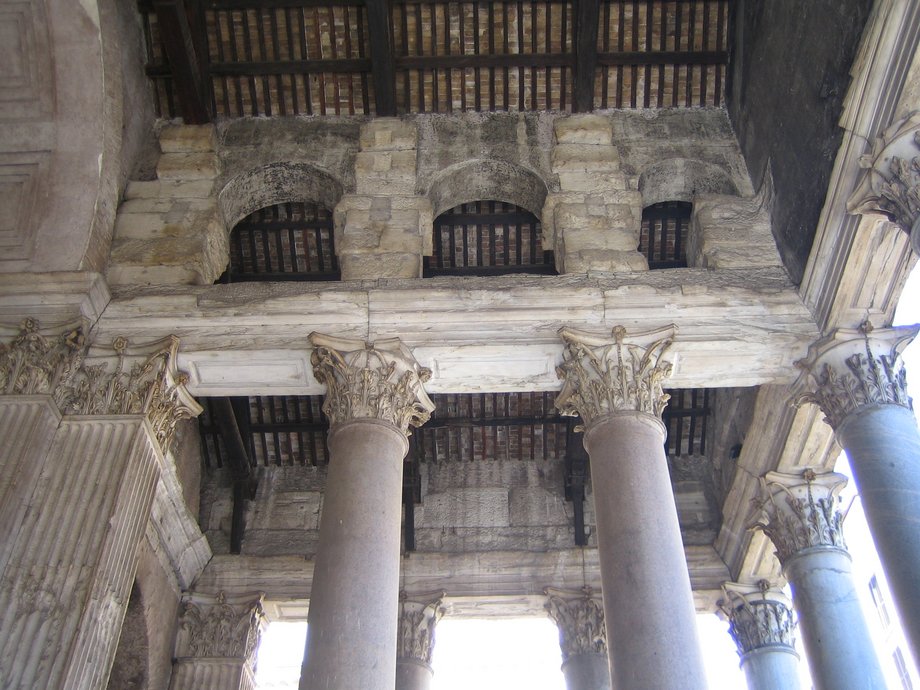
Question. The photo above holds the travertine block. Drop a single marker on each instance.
(604, 260)
(388, 134)
(593, 182)
(187, 138)
(187, 166)
(730, 232)
(584, 157)
(380, 265)
(584, 129)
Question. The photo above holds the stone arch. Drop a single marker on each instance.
(130, 669)
(493, 180)
(680, 179)
(274, 184)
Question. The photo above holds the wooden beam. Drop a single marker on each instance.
(586, 21)
(383, 68)
(179, 42)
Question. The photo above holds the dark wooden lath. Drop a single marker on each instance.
(371, 57)
(488, 238)
(663, 237)
(289, 241)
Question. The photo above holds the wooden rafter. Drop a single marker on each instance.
(383, 70)
(182, 46)
(586, 23)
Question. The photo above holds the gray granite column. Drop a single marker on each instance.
(217, 642)
(803, 522)
(373, 393)
(582, 637)
(69, 550)
(614, 384)
(859, 382)
(761, 623)
(418, 617)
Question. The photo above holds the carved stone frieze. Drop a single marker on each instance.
(855, 368)
(364, 380)
(418, 617)
(759, 616)
(603, 375)
(220, 626)
(891, 184)
(580, 617)
(800, 511)
(120, 380)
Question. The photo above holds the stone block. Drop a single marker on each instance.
(467, 507)
(592, 182)
(605, 261)
(585, 158)
(584, 129)
(187, 138)
(187, 166)
(537, 506)
(388, 134)
(380, 265)
(730, 232)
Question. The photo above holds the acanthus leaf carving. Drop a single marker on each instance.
(759, 616)
(418, 618)
(120, 380)
(378, 380)
(602, 375)
(221, 626)
(852, 369)
(891, 184)
(800, 511)
(580, 618)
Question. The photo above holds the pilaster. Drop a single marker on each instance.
(593, 222)
(890, 185)
(217, 642)
(384, 229)
(70, 560)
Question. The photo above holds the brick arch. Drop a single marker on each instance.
(680, 179)
(274, 184)
(482, 179)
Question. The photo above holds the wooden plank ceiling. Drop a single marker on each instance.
(237, 58)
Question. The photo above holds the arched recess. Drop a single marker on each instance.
(480, 179)
(680, 179)
(274, 184)
(130, 669)
(279, 220)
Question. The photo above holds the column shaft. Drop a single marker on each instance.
(771, 669)
(588, 671)
(648, 602)
(412, 674)
(64, 591)
(837, 642)
(883, 445)
(351, 638)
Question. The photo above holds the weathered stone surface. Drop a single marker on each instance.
(187, 138)
(198, 165)
(584, 129)
(730, 232)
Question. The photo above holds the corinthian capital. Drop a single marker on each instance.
(611, 374)
(418, 616)
(891, 184)
(759, 616)
(800, 511)
(855, 368)
(220, 626)
(364, 380)
(580, 617)
(118, 380)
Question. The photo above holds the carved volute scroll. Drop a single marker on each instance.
(759, 616)
(612, 374)
(418, 617)
(891, 184)
(220, 626)
(117, 380)
(378, 380)
(580, 617)
(801, 511)
(852, 369)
